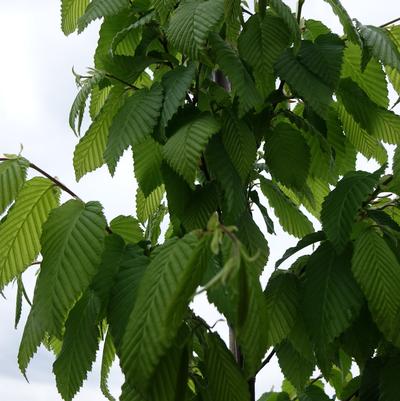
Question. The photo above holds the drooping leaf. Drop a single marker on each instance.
(106, 363)
(133, 123)
(342, 205)
(231, 65)
(101, 8)
(372, 80)
(290, 21)
(20, 232)
(72, 244)
(304, 82)
(308, 240)
(147, 157)
(88, 155)
(296, 368)
(225, 380)
(80, 344)
(345, 20)
(12, 178)
(377, 121)
(377, 271)
(166, 286)
(331, 296)
(261, 43)
(183, 150)
(287, 156)
(79, 104)
(283, 297)
(191, 24)
(290, 217)
(380, 45)
(240, 144)
(71, 11)
(128, 228)
(146, 206)
(176, 84)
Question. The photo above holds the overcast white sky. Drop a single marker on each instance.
(37, 89)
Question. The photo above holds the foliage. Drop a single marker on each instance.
(223, 112)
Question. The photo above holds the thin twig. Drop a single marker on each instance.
(122, 81)
(266, 361)
(57, 182)
(299, 8)
(390, 22)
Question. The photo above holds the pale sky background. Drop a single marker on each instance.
(37, 89)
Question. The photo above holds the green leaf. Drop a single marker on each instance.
(296, 368)
(78, 106)
(88, 155)
(191, 24)
(283, 297)
(308, 85)
(12, 178)
(101, 8)
(342, 205)
(261, 43)
(133, 123)
(231, 65)
(221, 167)
(146, 206)
(233, 11)
(71, 11)
(372, 80)
(20, 232)
(331, 296)
(147, 157)
(286, 14)
(314, 28)
(380, 45)
(345, 20)
(377, 271)
(164, 8)
(389, 379)
(18, 301)
(308, 240)
(363, 142)
(314, 393)
(225, 380)
(128, 228)
(324, 58)
(72, 244)
(176, 84)
(240, 144)
(106, 363)
(79, 347)
(377, 121)
(167, 284)
(292, 220)
(370, 378)
(287, 156)
(98, 97)
(184, 149)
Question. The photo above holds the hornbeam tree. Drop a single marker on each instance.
(228, 110)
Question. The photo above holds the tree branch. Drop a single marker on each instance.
(57, 182)
(266, 361)
(390, 22)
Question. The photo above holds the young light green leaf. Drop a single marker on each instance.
(106, 363)
(183, 150)
(99, 9)
(72, 245)
(128, 228)
(88, 155)
(20, 232)
(147, 205)
(71, 11)
(133, 123)
(12, 178)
